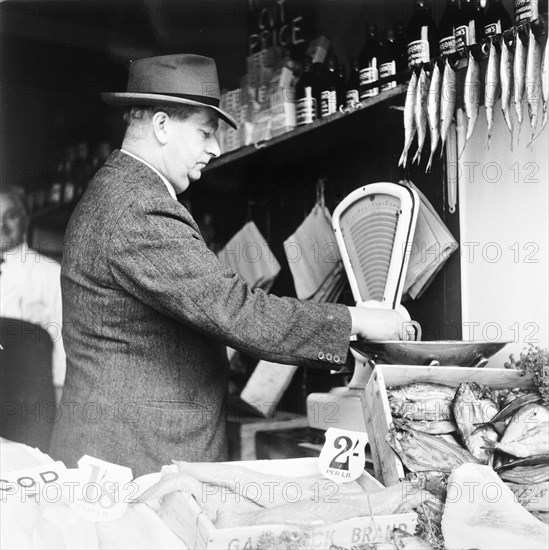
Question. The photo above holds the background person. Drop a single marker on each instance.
(30, 288)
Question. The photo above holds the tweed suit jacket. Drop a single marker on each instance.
(147, 313)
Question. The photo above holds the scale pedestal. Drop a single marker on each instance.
(341, 407)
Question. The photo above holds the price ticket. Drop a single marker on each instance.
(342, 457)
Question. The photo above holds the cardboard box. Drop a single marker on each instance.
(387, 465)
(181, 513)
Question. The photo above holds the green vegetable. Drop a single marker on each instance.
(534, 361)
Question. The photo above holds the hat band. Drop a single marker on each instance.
(212, 101)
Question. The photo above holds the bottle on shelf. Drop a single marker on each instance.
(470, 27)
(318, 72)
(341, 87)
(388, 57)
(306, 94)
(328, 88)
(421, 36)
(56, 185)
(496, 19)
(461, 29)
(368, 63)
(102, 152)
(352, 96)
(446, 27)
(477, 22)
(81, 168)
(67, 169)
(528, 10)
(400, 38)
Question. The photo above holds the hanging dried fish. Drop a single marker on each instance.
(447, 101)
(433, 111)
(491, 86)
(472, 94)
(533, 79)
(409, 118)
(544, 91)
(506, 78)
(519, 74)
(422, 95)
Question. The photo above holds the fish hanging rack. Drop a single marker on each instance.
(459, 60)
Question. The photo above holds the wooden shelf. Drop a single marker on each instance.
(315, 138)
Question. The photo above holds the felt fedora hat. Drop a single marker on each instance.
(172, 80)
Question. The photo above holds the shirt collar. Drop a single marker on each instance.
(166, 182)
(17, 252)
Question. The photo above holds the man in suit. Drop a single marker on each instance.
(149, 309)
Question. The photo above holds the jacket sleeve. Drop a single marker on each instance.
(157, 254)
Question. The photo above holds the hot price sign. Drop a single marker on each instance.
(276, 23)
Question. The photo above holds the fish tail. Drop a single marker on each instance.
(489, 444)
(417, 156)
(519, 119)
(462, 148)
(470, 128)
(543, 124)
(428, 168)
(403, 158)
(518, 110)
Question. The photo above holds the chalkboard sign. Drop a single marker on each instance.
(284, 23)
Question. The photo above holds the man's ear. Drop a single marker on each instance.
(160, 126)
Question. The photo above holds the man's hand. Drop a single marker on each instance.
(380, 324)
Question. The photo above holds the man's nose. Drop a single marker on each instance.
(213, 148)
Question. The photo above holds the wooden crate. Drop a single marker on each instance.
(387, 465)
(182, 514)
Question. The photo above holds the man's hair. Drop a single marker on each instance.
(136, 115)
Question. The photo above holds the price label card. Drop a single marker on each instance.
(99, 489)
(32, 481)
(342, 457)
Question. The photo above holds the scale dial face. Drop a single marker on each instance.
(368, 228)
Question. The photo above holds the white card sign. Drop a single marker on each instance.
(102, 489)
(342, 457)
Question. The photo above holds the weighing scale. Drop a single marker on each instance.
(374, 228)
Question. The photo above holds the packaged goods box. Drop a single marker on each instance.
(181, 513)
(387, 465)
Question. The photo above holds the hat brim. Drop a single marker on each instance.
(121, 99)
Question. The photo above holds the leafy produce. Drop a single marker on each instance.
(534, 361)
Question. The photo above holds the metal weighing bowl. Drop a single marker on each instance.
(454, 353)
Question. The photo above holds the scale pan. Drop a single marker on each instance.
(455, 353)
